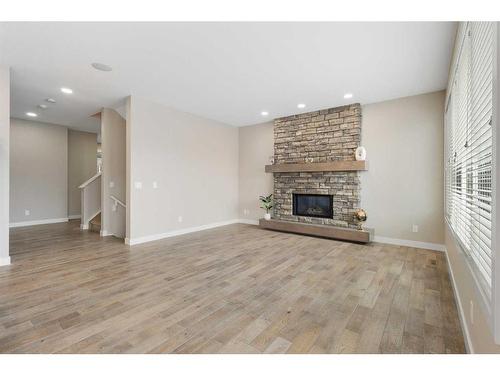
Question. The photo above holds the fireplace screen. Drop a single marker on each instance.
(313, 205)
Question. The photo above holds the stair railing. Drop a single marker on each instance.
(91, 199)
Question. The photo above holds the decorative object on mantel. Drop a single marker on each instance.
(271, 160)
(309, 160)
(266, 204)
(360, 216)
(360, 153)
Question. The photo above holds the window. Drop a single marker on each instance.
(469, 149)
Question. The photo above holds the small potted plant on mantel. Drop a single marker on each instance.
(266, 204)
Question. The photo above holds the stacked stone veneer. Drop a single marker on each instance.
(321, 136)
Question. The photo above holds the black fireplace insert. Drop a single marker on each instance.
(313, 205)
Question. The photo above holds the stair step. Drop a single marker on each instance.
(96, 219)
(95, 228)
(95, 224)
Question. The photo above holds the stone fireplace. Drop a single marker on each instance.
(318, 137)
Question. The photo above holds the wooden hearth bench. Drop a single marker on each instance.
(328, 231)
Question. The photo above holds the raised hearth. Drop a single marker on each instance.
(327, 231)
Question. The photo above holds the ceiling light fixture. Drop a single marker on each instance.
(101, 67)
(31, 114)
(66, 90)
(42, 106)
(264, 113)
(348, 95)
(301, 105)
(50, 100)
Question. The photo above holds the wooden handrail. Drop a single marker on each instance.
(89, 181)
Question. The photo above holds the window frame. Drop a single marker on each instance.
(490, 305)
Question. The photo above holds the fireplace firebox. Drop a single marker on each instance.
(313, 205)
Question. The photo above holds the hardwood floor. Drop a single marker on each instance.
(234, 289)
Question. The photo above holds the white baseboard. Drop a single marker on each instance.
(84, 226)
(38, 222)
(410, 243)
(105, 233)
(73, 217)
(178, 232)
(461, 313)
(4, 261)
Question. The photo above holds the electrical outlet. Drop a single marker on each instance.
(138, 185)
(111, 184)
(246, 211)
(471, 312)
(179, 219)
(415, 228)
(27, 213)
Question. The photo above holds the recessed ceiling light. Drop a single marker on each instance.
(301, 105)
(42, 106)
(264, 113)
(102, 67)
(31, 114)
(348, 96)
(50, 100)
(66, 90)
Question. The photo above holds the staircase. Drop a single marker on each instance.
(91, 200)
(95, 223)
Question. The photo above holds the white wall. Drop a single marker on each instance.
(38, 171)
(82, 165)
(113, 140)
(4, 163)
(193, 160)
(404, 184)
(256, 145)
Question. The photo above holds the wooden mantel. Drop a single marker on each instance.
(333, 166)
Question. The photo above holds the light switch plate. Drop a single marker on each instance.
(155, 185)
(138, 185)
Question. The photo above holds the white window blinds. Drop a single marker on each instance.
(469, 149)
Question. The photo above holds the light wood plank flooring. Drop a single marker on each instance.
(234, 289)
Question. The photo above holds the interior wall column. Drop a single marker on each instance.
(4, 163)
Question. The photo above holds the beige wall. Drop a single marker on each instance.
(404, 184)
(113, 141)
(38, 171)
(193, 160)
(4, 163)
(82, 164)
(256, 145)
(480, 333)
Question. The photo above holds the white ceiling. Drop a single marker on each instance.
(224, 71)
